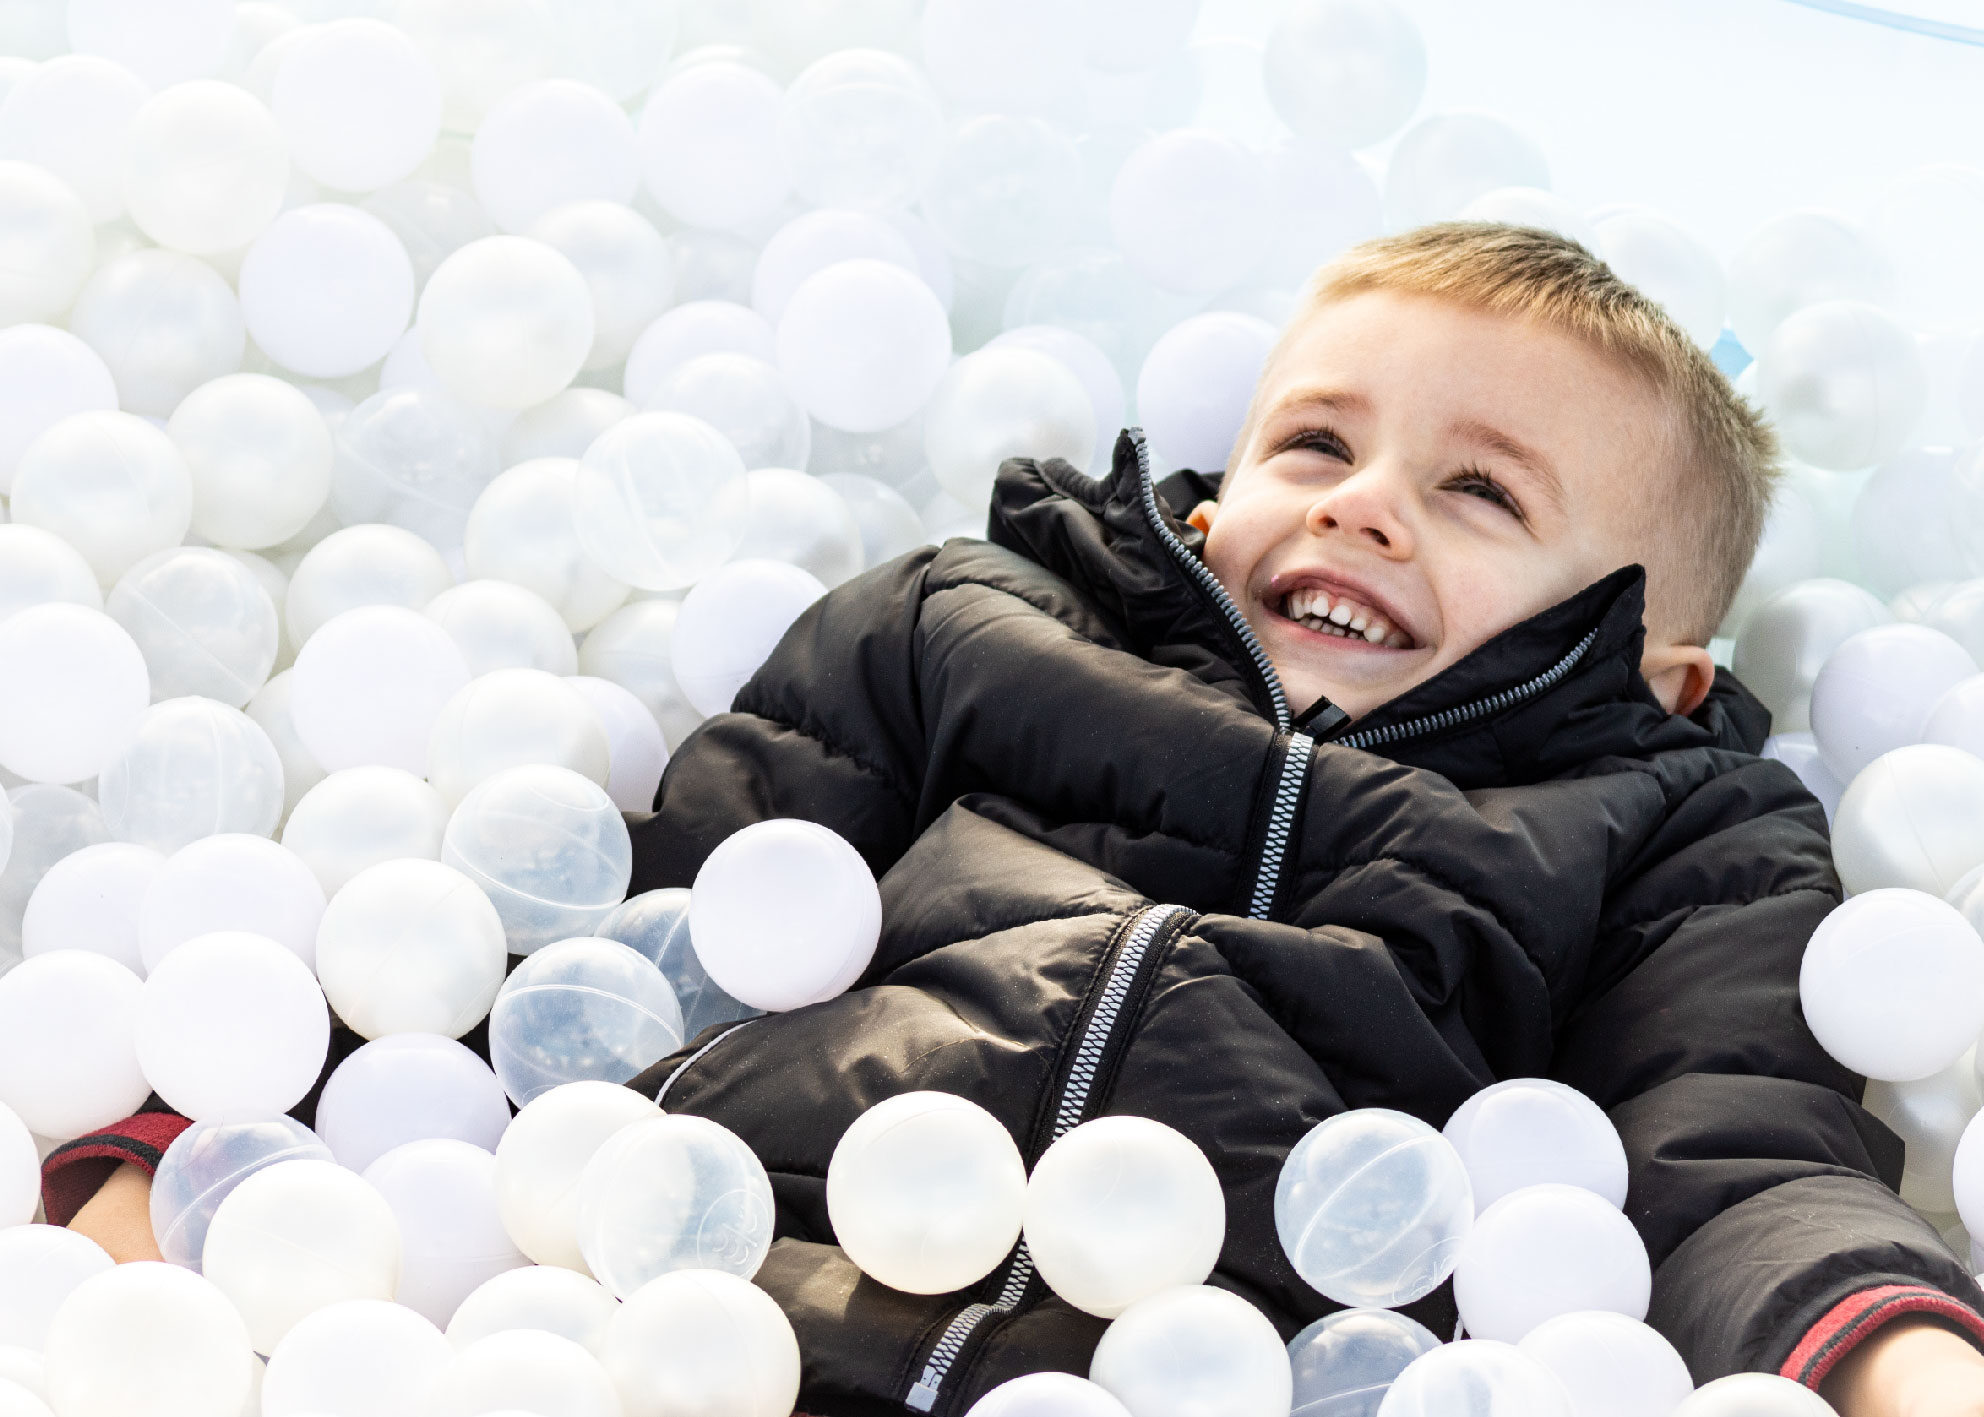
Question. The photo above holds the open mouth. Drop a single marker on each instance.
(1343, 617)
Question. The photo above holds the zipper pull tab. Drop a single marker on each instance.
(1321, 720)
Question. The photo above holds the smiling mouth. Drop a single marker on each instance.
(1342, 617)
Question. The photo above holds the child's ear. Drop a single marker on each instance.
(1202, 516)
(1679, 675)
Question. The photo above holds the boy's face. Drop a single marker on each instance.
(1419, 478)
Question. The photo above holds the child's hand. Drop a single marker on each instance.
(119, 1216)
(1911, 1368)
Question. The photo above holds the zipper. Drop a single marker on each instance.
(1493, 703)
(696, 1057)
(1075, 1093)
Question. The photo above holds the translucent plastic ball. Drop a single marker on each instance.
(46, 375)
(546, 844)
(729, 624)
(1784, 642)
(38, 566)
(1344, 1362)
(1844, 383)
(1004, 403)
(630, 647)
(1909, 820)
(259, 454)
(110, 485)
(741, 397)
(194, 768)
(636, 749)
(72, 116)
(84, 690)
(410, 947)
(1611, 1364)
(1476, 1378)
(696, 328)
(231, 881)
(542, 1156)
(443, 1192)
(497, 625)
(1670, 266)
(1349, 72)
(90, 900)
(888, 524)
(656, 923)
(1443, 162)
(409, 1087)
(1910, 522)
(359, 103)
(1007, 192)
(208, 167)
(1194, 1349)
(863, 344)
(1190, 210)
(815, 240)
(1195, 385)
(1526, 1131)
(202, 621)
(522, 530)
(297, 1237)
(46, 243)
(1874, 693)
(627, 266)
(1929, 1116)
(1892, 984)
(358, 817)
(1753, 1395)
(524, 1371)
(712, 153)
(784, 913)
(712, 265)
(661, 500)
(549, 143)
(1098, 376)
(433, 220)
(542, 1297)
(798, 520)
(270, 708)
(40, 1266)
(148, 1337)
(560, 429)
(505, 322)
(703, 1341)
(162, 43)
(1547, 1250)
(580, 1009)
(1372, 1207)
(362, 1355)
(163, 323)
(362, 565)
(863, 130)
(1048, 1395)
(202, 1167)
(48, 823)
(327, 290)
(20, 1174)
(369, 686)
(415, 456)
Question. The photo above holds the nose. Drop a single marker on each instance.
(1368, 506)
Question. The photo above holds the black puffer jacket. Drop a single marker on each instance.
(1118, 878)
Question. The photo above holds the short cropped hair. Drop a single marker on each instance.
(1706, 521)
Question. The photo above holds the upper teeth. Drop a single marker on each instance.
(1341, 615)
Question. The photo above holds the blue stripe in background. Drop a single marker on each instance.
(1914, 24)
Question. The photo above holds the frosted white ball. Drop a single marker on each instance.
(47, 245)
(1753, 1395)
(1476, 1378)
(83, 687)
(577, 1009)
(299, 1237)
(541, 1157)
(46, 374)
(497, 625)
(443, 1192)
(617, 46)
(202, 1167)
(483, 51)
(25, 1384)
(231, 881)
(560, 429)
(1193, 1349)
(711, 151)
(410, 947)
(703, 1342)
(147, 1337)
(1120, 1208)
(1547, 1250)
(524, 1371)
(46, 823)
(630, 647)
(712, 265)
(656, 923)
(811, 242)
(357, 566)
(1669, 266)
(359, 103)
(193, 768)
(1892, 984)
(1342, 1363)
(270, 709)
(38, 566)
(432, 219)
(20, 1171)
(1190, 211)
(1909, 819)
(542, 1297)
(1372, 1207)
(1531, 206)
(40, 1266)
(68, 1061)
(1957, 720)
(1349, 72)
(208, 167)
(1959, 613)
(416, 456)
(1909, 523)
(1875, 691)
(626, 264)
(72, 116)
(1784, 642)
(1443, 162)
(636, 750)
(110, 485)
(358, 817)
(1009, 190)
(784, 913)
(1526, 1131)
(1195, 384)
(925, 1192)
(729, 624)
(1086, 361)
(521, 530)
(1004, 403)
(409, 1087)
(202, 621)
(513, 718)
(1048, 1395)
(698, 327)
(162, 42)
(863, 344)
(259, 455)
(1017, 56)
(1844, 384)
(363, 1355)
(163, 323)
(90, 900)
(742, 398)
(799, 520)
(888, 524)
(1799, 259)
(661, 500)
(1929, 1116)
(549, 143)
(369, 686)
(863, 129)
(505, 322)
(326, 290)
(1610, 1364)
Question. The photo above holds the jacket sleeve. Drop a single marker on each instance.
(76, 1170)
(828, 729)
(1765, 1193)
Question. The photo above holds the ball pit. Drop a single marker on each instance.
(1193, 1348)
(702, 1340)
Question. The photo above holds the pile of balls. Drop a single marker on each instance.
(417, 415)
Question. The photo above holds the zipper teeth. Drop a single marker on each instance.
(1287, 795)
(923, 1396)
(1448, 718)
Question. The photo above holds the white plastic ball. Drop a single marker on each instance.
(925, 1192)
(636, 750)
(1443, 162)
(270, 708)
(1844, 384)
(617, 46)
(1957, 719)
(578, 1009)
(526, 1371)
(68, 1061)
(702, 1343)
(163, 323)
(1929, 1116)
(888, 524)
(1753, 1395)
(1669, 266)
(47, 245)
(1087, 363)
(110, 485)
(1190, 211)
(46, 375)
(497, 625)
(1476, 1378)
(363, 1355)
(40, 1266)
(358, 566)
(1909, 820)
(72, 116)
(863, 344)
(1004, 403)
(522, 530)
(1910, 522)
(202, 621)
(505, 322)
(660, 500)
(1959, 613)
(46, 823)
(208, 167)
(1343, 1363)
(712, 265)
(1193, 1349)
(298, 1237)
(1784, 642)
(798, 520)
(410, 947)
(784, 913)
(415, 456)
(433, 220)
(1048, 1395)
(20, 1175)
(1874, 692)
(369, 687)
(517, 718)
(359, 103)
(147, 1337)
(409, 1087)
(193, 768)
(863, 130)
(1792, 549)
(656, 923)
(729, 624)
(1611, 1365)
(38, 566)
(630, 647)
(742, 398)
(560, 429)
(712, 153)
(232, 882)
(540, 1160)
(17, 1399)
(1526, 1131)
(84, 690)
(549, 143)
(358, 817)
(202, 1167)
(482, 51)
(1349, 72)
(1195, 385)
(259, 455)
(811, 242)
(692, 329)
(443, 1192)
(626, 264)
(326, 290)
(161, 42)
(1533, 207)
(1372, 1207)
(1547, 1250)
(1892, 984)
(90, 900)
(1799, 259)
(543, 1297)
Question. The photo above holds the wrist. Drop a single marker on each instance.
(1901, 1370)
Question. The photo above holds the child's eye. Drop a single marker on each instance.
(1476, 483)
(1321, 440)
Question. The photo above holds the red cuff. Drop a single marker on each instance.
(1856, 1318)
(76, 1170)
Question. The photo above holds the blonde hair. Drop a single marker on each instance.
(1711, 513)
